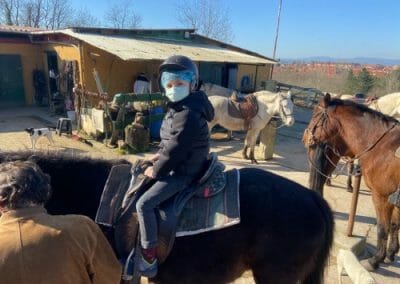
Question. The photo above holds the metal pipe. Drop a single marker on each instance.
(255, 79)
(277, 28)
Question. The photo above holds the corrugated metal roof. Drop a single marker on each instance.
(128, 48)
(19, 29)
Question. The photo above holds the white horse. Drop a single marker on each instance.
(269, 105)
(388, 104)
(216, 90)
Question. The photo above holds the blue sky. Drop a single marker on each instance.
(335, 28)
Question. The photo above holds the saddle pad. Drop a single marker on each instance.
(113, 194)
(234, 109)
(219, 211)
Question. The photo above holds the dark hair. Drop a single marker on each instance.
(23, 184)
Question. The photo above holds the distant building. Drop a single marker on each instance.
(331, 69)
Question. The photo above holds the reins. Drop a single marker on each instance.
(329, 160)
(323, 116)
(356, 157)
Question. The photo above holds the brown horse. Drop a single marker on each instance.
(345, 129)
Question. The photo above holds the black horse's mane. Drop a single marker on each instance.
(69, 174)
(53, 156)
(363, 109)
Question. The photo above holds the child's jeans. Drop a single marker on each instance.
(163, 189)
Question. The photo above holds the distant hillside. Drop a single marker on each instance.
(359, 60)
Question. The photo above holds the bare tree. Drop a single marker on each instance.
(209, 17)
(50, 14)
(389, 83)
(32, 13)
(121, 15)
(56, 13)
(10, 11)
(83, 18)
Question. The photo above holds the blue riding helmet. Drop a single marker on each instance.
(177, 63)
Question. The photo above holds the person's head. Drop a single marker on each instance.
(22, 184)
(179, 76)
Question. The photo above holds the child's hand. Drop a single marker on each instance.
(155, 157)
(149, 172)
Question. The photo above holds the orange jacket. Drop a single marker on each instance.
(39, 248)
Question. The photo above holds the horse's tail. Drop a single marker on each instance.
(317, 274)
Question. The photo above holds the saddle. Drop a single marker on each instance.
(244, 107)
(209, 204)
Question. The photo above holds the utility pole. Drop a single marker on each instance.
(277, 28)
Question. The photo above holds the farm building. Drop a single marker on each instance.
(109, 60)
(18, 60)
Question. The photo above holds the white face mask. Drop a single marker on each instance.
(177, 93)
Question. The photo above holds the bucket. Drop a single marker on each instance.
(155, 124)
(71, 115)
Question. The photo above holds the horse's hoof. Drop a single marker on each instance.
(328, 182)
(389, 258)
(349, 189)
(369, 264)
(254, 161)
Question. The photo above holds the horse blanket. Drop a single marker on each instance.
(211, 206)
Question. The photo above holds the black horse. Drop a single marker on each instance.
(284, 236)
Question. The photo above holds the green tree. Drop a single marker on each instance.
(351, 85)
(365, 80)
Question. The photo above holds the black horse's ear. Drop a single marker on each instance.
(33, 158)
(326, 100)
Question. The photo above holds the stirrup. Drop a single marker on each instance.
(147, 269)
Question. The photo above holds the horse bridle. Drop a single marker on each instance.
(309, 133)
(282, 110)
(311, 140)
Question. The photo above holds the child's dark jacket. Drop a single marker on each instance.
(185, 137)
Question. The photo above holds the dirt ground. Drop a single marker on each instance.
(289, 161)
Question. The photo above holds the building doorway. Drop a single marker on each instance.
(52, 67)
(11, 81)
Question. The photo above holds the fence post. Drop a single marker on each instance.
(267, 141)
(354, 200)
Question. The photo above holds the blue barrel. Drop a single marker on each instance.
(156, 115)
